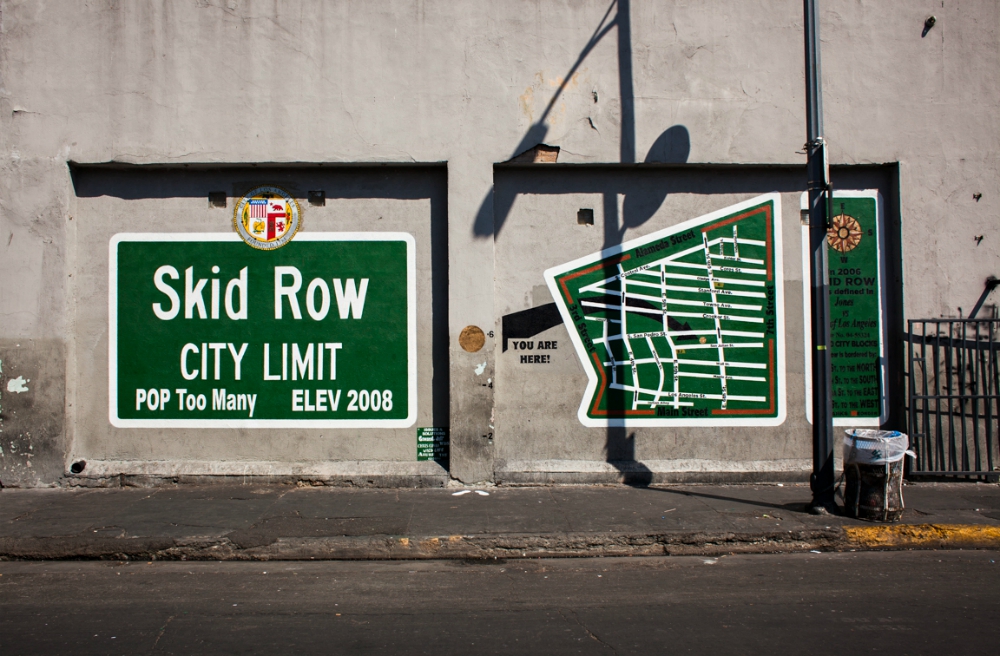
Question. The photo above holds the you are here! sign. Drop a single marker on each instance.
(205, 332)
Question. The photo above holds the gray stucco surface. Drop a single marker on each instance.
(236, 89)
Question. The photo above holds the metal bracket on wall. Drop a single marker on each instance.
(991, 284)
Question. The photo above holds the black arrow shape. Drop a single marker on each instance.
(530, 322)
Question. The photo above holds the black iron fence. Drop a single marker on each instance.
(954, 401)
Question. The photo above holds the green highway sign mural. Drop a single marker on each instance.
(206, 332)
(857, 329)
(682, 327)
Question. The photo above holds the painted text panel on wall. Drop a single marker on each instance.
(207, 332)
(857, 298)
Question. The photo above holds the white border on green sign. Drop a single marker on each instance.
(883, 330)
(411, 318)
(779, 300)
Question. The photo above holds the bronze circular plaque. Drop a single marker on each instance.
(472, 338)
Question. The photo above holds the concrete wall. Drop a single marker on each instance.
(461, 87)
(536, 404)
(110, 200)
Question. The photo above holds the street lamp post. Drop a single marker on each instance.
(823, 479)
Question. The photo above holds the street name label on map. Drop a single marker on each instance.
(205, 332)
(683, 327)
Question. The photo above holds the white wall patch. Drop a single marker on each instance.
(18, 385)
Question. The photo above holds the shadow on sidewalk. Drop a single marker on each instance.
(798, 507)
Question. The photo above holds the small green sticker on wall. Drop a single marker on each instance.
(432, 444)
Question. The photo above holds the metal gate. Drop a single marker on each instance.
(953, 380)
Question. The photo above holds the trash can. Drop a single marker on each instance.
(873, 473)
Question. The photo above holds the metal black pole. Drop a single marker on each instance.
(823, 479)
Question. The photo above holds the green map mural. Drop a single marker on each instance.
(683, 327)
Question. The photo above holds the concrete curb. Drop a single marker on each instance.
(479, 547)
(924, 536)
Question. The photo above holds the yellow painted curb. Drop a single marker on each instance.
(927, 535)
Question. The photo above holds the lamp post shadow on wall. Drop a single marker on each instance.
(620, 445)
(673, 146)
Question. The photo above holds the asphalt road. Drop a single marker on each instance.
(839, 603)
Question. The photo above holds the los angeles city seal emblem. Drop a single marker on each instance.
(267, 217)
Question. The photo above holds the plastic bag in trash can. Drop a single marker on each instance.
(874, 447)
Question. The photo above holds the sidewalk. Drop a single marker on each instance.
(267, 522)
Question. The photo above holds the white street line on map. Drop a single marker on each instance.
(700, 315)
(684, 333)
(692, 374)
(692, 347)
(730, 258)
(653, 333)
(666, 328)
(605, 306)
(611, 355)
(684, 276)
(710, 315)
(751, 242)
(700, 290)
(718, 326)
(692, 265)
(659, 367)
(598, 287)
(691, 395)
(625, 339)
(678, 301)
(752, 272)
(735, 333)
(733, 364)
(619, 307)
